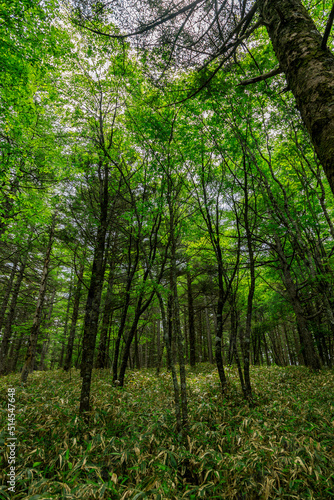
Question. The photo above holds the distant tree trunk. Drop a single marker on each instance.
(32, 343)
(46, 342)
(140, 309)
(170, 328)
(14, 353)
(101, 360)
(74, 319)
(191, 323)
(208, 332)
(310, 354)
(159, 348)
(66, 324)
(222, 297)
(11, 315)
(171, 364)
(131, 270)
(7, 292)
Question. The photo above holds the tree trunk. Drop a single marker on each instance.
(46, 342)
(101, 361)
(7, 293)
(309, 71)
(170, 363)
(208, 332)
(191, 329)
(11, 315)
(310, 354)
(74, 319)
(92, 309)
(66, 324)
(32, 344)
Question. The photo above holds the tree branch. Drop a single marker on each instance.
(328, 29)
(265, 76)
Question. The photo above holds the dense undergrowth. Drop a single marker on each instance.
(282, 447)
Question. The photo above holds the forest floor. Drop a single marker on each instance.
(282, 447)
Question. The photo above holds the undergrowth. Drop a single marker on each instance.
(281, 447)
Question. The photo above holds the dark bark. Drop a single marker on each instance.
(171, 364)
(131, 270)
(32, 343)
(310, 354)
(74, 319)
(191, 329)
(208, 332)
(11, 315)
(7, 293)
(61, 357)
(92, 309)
(309, 70)
(46, 341)
(251, 291)
(101, 360)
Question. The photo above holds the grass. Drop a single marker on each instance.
(283, 447)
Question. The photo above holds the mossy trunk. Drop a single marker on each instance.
(309, 71)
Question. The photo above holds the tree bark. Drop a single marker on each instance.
(191, 330)
(7, 293)
(11, 315)
(74, 319)
(32, 344)
(309, 71)
(92, 309)
(101, 360)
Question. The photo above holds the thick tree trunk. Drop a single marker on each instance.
(309, 71)
(32, 344)
(92, 309)
(92, 317)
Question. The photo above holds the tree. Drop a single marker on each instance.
(216, 30)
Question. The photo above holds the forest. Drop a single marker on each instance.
(166, 249)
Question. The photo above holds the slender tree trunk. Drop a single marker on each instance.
(170, 363)
(251, 291)
(74, 319)
(309, 351)
(11, 315)
(191, 323)
(101, 360)
(7, 292)
(66, 324)
(208, 332)
(46, 342)
(32, 344)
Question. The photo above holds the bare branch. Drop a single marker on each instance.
(328, 29)
(265, 76)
